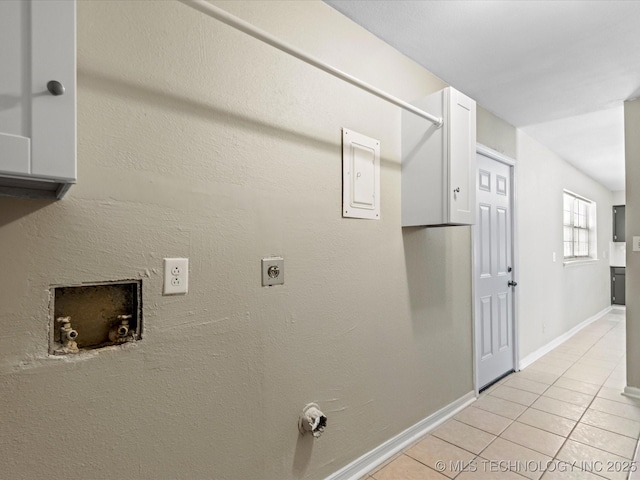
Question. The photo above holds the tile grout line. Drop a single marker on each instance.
(555, 457)
(527, 407)
(566, 439)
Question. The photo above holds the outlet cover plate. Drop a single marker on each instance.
(272, 271)
(176, 276)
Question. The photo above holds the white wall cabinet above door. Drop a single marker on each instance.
(37, 123)
(438, 164)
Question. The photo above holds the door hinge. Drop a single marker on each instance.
(613, 278)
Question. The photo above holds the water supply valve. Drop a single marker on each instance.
(120, 332)
(67, 337)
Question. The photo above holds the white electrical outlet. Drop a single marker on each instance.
(176, 276)
(636, 244)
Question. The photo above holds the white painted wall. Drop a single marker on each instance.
(198, 141)
(553, 298)
(495, 133)
(619, 197)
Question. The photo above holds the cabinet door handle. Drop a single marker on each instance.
(457, 190)
(55, 88)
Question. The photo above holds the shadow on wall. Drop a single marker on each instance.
(426, 256)
(174, 102)
(13, 209)
(302, 455)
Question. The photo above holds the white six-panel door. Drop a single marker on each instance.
(493, 271)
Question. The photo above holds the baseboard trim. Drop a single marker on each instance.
(633, 392)
(532, 357)
(381, 453)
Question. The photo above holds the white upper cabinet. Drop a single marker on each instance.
(37, 121)
(438, 164)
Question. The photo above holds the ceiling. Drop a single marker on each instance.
(558, 70)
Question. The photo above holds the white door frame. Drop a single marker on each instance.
(499, 157)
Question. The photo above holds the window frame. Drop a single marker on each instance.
(581, 222)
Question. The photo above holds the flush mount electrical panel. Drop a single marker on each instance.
(95, 315)
(438, 163)
(360, 176)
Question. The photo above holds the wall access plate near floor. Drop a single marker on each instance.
(360, 176)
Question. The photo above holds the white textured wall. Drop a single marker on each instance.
(495, 133)
(619, 197)
(632, 218)
(198, 141)
(551, 296)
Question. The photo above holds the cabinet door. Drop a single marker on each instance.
(619, 223)
(37, 129)
(462, 154)
(15, 141)
(618, 286)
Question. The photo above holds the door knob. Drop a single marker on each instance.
(55, 88)
(512, 283)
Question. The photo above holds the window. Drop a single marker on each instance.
(579, 227)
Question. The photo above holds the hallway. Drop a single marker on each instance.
(564, 411)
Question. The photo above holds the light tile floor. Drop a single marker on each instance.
(563, 417)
